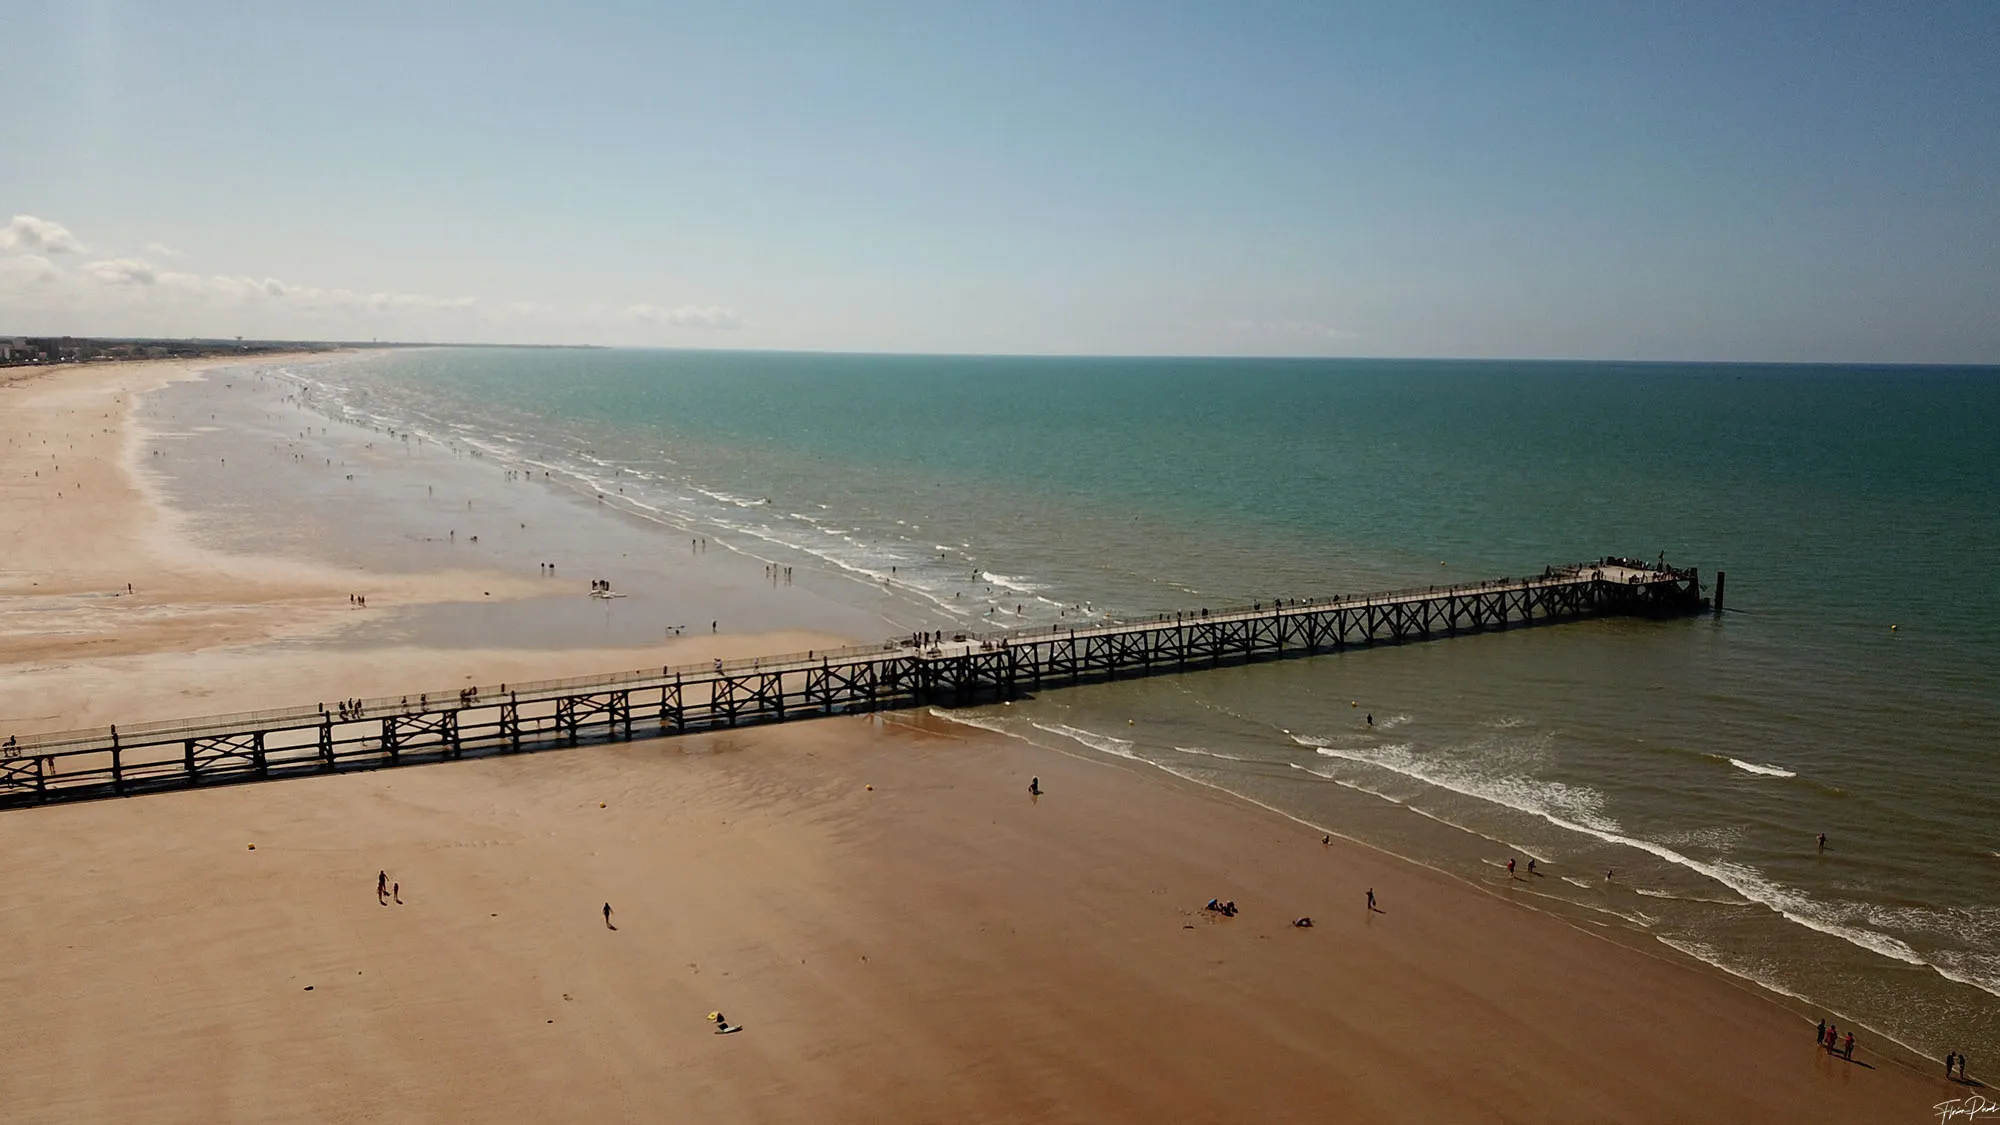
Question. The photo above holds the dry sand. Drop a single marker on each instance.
(938, 947)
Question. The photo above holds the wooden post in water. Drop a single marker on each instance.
(1720, 580)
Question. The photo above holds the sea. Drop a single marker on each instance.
(1669, 779)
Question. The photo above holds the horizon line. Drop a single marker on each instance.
(948, 354)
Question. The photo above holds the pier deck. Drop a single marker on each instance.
(967, 669)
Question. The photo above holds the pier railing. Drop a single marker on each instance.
(958, 668)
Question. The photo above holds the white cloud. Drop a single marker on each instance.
(123, 271)
(29, 268)
(45, 286)
(27, 233)
(690, 316)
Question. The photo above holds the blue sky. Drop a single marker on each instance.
(1757, 181)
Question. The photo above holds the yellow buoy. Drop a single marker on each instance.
(600, 804)
(871, 789)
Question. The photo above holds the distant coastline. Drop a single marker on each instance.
(49, 351)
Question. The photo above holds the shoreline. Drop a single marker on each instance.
(903, 932)
(278, 628)
(258, 643)
(1638, 942)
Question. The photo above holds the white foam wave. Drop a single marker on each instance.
(1767, 771)
(1324, 775)
(970, 721)
(1210, 753)
(1103, 743)
(1709, 955)
(726, 498)
(1555, 801)
(1650, 893)
(1575, 808)
(1011, 582)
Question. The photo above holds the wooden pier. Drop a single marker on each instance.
(967, 669)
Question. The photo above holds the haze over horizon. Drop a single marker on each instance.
(1555, 181)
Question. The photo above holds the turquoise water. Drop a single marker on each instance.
(1693, 760)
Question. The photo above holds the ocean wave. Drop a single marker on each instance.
(1011, 582)
(1709, 955)
(1555, 801)
(1575, 808)
(727, 498)
(1346, 784)
(1104, 743)
(1767, 771)
(964, 719)
(1210, 753)
(1650, 893)
(566, 461)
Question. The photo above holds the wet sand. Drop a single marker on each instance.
(230, 609)
(938, 947)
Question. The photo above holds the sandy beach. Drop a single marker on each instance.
(900, 930)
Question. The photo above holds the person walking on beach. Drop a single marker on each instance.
(1822, 841)
(1371, 898)
(396, 892)
(1510, 867)
(1949, 1058)
(382, 887)
(1820, 1037)
(1847, 1048)
(1034, 787)
(607, 917)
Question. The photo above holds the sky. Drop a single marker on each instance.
(1768, 181)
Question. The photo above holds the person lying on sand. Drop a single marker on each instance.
(1304, 923)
